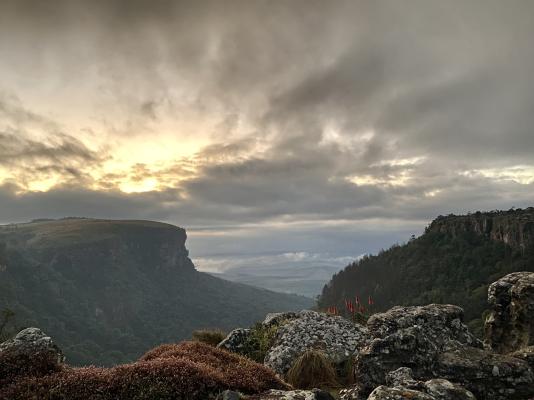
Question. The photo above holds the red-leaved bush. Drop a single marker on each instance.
(15, 365)
(188, 371)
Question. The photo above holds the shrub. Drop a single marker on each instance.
(209, 336)
(185, 371)
(312, 370)
(15, 365)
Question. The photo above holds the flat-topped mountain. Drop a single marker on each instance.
(110, 290)
(454, 261)
(514, 227)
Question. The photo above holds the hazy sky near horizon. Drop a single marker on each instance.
(298, 127)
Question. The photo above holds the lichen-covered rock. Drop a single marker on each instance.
(314, 394)
(402, 385)
(401, 377)
(525, 354)
(32, 341)
(235, 340)
(435, 389)
(29, 353)
(410, 337)
(488, 375)
(389, 393)
(442, 389)
(337, 337)
(277, 318)
(510, 325)
(441, 323)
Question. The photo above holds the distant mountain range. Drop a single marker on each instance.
(109, 290)
(454, 261)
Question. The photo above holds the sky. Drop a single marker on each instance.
(303, 128)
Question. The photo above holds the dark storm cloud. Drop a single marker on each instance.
(353, 110)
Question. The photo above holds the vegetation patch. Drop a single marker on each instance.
(209, 336)
(311, 370)
(260, 340)
(189, 370)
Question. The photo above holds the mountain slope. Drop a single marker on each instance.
(110, 290)
(454, 261)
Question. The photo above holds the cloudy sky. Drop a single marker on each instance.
(327, 128)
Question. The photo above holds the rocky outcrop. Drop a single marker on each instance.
(278, 318)
(32, 342)
(29, 353)
(314, 394)
(513, 227)
(402, 385)
(410, 337)
(510, 325)
(235, 341)
(433, 342)
(338, 338)
(488, 375)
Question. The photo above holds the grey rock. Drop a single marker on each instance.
(337, 337)
(510, 325)
(402, 385)
(488, 375)
(230, 395)
(435, 389)
(441, 323)
(277, 318)
(314, 394)
(235, 340)
(525, 354)
(31, 342)
(401, 377)
(410, 337)
(388, 393)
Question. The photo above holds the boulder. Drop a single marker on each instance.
(29, 353)
(402, 385)
(338, 338)
(277, 318)
(435, 389)
(388, 393)
(525, 354)
(441, 323)
(235, 340)
(510, 324)
(488, 375)
(314, 394)
(410, 337)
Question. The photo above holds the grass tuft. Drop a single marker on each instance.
(312, 370)
(209, 336)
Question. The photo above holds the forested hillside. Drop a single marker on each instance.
(110, 290)
(454, 261)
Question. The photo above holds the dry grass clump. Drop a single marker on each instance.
(312, 370)
(209, 336)
(188, 371)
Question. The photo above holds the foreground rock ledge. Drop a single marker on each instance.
(510, 325)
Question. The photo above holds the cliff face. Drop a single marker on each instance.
(514, 228)
(109, 290)
(79, 241)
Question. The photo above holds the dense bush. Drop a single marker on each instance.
(186, 371)
(14, 365)
(209, 336)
